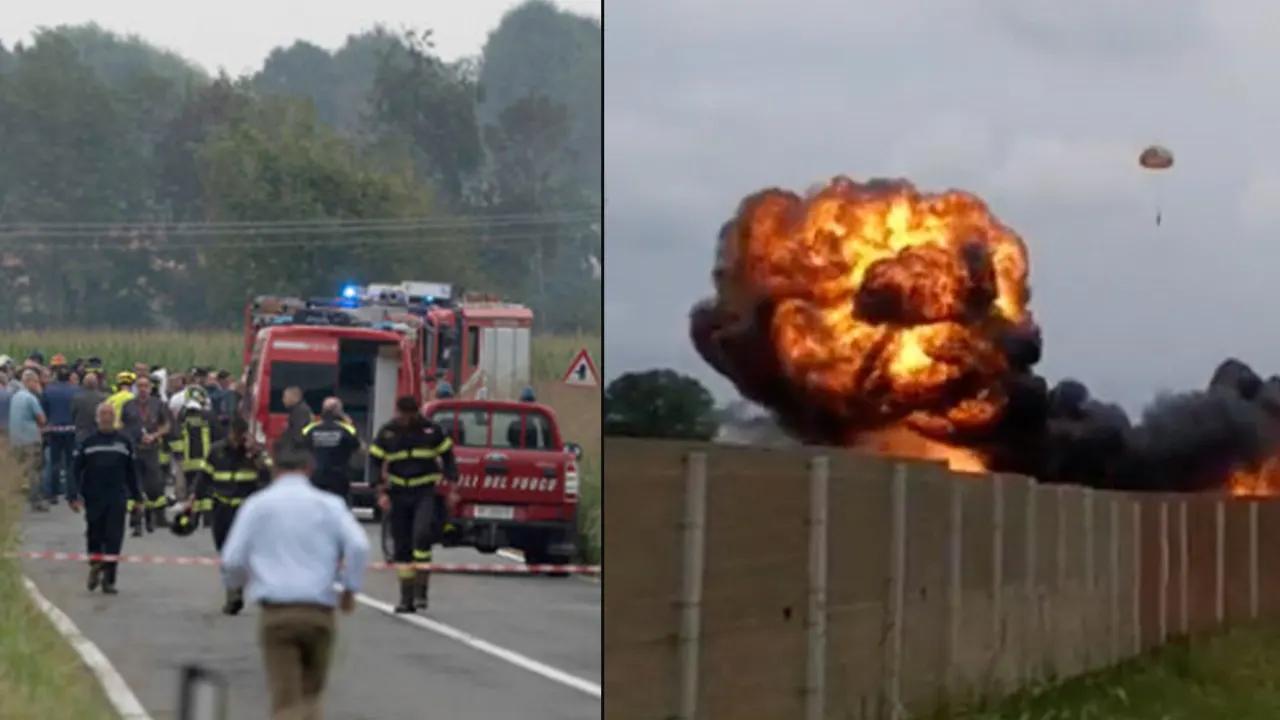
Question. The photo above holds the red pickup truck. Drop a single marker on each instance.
(517, 478)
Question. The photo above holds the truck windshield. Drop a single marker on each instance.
(470, 428)
(317, 380)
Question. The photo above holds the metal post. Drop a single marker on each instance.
(690, 603)
(816, 675)
(892, 703)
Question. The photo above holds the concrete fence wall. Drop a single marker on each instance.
(748, 583)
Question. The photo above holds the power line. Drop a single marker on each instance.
(429, 220)
(216, 237)
(287, 243)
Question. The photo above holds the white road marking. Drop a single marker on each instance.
(118, 692)
(487, 647)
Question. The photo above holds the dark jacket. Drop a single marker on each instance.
(57, 401)
(236, 472)
(331, 442)
(416, 455)
(300, 416)
(103, 469)
(135, 424)
(83, 412)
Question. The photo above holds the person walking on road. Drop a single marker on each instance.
(237, 470)
(104, 479)
(26, 420)
(332, 440)
(413, 456)
(146, 422)
(285, 545)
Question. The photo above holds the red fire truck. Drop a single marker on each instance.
(471, 341)
(324, 354)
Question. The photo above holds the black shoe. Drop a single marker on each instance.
(109, 589)
(420, 591)
(95, 576)
(137, 531)
(406, 597)
(234, 603)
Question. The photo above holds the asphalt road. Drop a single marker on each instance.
(385, 668)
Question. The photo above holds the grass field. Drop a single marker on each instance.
(40, 676)
(578, 409)
(1233, 676)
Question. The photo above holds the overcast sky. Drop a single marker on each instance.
(238, 34)
(1039, 106)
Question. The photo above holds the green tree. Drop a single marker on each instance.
(538, 49)
(280, 163)
(659, 403)
(432, 103)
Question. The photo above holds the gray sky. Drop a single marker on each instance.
(238, 34)
(1039, 106)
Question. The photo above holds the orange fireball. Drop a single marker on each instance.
(884, 305)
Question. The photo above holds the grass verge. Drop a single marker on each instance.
(1233, 675)
(590, 529)
(40, 675)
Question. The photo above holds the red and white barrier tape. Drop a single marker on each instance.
(456, 568)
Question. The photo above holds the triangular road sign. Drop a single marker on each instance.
(582, 372)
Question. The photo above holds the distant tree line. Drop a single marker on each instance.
(137, 191)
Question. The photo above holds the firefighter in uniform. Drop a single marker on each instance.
(411, 456)
(104, 480)
(237, 469)
(196, 424)
(332, 441)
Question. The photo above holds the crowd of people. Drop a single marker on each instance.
(46, 408)
(152, 449)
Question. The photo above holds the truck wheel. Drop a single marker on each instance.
(540, 554)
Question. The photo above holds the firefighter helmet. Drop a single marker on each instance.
(182, 522)
(125, 377)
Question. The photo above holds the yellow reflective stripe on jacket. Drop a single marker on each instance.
(429, 453)
(307, 428)
(349, 428)
(192, 464)
(233, 502)
(395, 456)
(376, 451)
(414, 481)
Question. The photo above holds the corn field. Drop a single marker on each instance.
(222, 349)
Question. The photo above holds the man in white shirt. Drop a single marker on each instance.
(291, 542)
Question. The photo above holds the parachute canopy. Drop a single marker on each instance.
(1156, 157)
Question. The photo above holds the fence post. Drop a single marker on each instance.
(1137, 577)
(1220, 576)
(892, 703)
(815, 675)
(690, 603)
(1031, 613)
(1163, 632)
(1253, 560)
(955, 586)
(1089, 617)
(1113, 505)
(997, 576)
(1184, 570)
